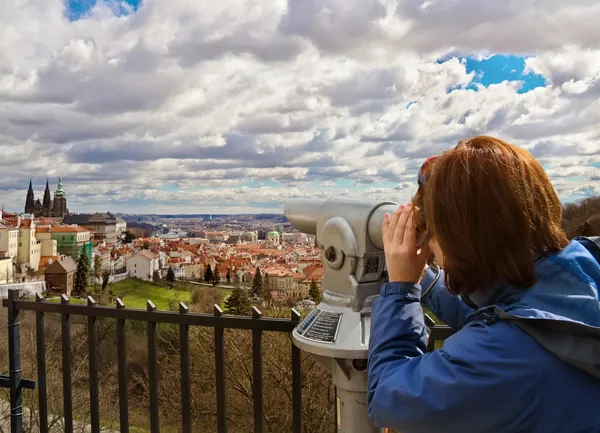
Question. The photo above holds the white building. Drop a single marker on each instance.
(121, 226)
(179, 273)
(9, 240)
(142, 265)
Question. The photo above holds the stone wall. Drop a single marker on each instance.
(29, 289)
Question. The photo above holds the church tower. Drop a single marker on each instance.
(47, 203)
(30, 201)
(60, 201)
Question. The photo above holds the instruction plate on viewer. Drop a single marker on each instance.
(320, 325)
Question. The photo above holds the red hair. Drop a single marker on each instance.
(492, 209)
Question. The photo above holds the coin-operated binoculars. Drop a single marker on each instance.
(349, 233)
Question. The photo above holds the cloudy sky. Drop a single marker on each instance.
(235, 105)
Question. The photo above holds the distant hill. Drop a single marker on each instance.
(276, 217)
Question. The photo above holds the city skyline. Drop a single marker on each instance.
(153, 107)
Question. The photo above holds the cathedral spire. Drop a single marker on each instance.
(30, 200)
(47, 202)
(59, 189)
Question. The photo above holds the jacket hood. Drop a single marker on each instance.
(562, 310)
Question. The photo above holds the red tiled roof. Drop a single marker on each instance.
(148, 254)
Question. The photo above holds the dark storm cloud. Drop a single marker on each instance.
(194, 48)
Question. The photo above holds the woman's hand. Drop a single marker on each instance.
(405, 261)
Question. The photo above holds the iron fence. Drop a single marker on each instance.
(184, 319)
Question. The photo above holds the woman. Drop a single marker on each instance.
(524, 300)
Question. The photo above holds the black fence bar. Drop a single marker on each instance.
(257, 393)
(93, 368)
(25, 383)
(153, 372)
(122, 363)
(192, 319)
(152, 317)
(41, 368)
(184, 356)
(66, 365)
(220, 374)
(14, 361)
(296, 382)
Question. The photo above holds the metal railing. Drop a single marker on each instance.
(256, 323)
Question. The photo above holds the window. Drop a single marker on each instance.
(20, 244)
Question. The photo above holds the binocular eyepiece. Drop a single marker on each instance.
(364, 217)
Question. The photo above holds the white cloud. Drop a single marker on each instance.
(197, 106)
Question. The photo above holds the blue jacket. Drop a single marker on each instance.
(524, 361)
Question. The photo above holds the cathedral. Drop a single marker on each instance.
(56, 208)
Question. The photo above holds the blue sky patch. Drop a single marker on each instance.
(78, 9)
(498, 68)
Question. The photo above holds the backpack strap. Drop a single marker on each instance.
(592, 244)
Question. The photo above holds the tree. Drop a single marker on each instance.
(266, 291)
(228, 276)
(170, 275)
(257, 283)
(105, 280)
(128, 237)
(314, 292)
(82, 272)
(216, 278)
(146, 245)
(238, 302)
(208, 274)
(97, 266)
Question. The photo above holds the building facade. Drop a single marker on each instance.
(101, 226)
(60, 275)
(70, 241)
(142, 265)
(9, 240)
(30, 249)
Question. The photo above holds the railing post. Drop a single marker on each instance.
(66, 365)
(153, 371)
(257, 388)
(184, 355)
(41, 365)
(296, 382)
(93, 367)
(220, 374)
(122, 363)
(14, 360)
(430, 323)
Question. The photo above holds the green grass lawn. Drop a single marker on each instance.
(135, 293)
